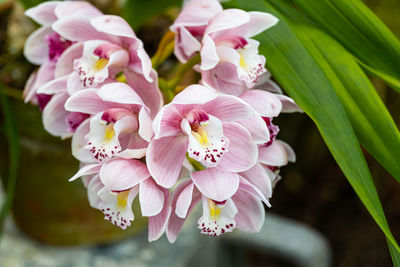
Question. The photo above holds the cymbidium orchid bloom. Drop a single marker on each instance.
(120, 123)
(241, 209)
(190, 25)
(113, 186)
(207, 127)
(110, 47)
(96, 83)
(44, 46)
(229, 58)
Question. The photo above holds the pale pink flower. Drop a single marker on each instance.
(206, 125)
(190, 25)
(109, 47)
(44, 46)
(229, 58)
(120, 123)
(242, 209)
(56, 120)
(113, 186)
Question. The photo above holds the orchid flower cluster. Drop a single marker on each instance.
(213, 143)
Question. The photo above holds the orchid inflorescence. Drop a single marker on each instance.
(213, 143)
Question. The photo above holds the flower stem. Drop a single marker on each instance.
(169, 88)
(164, 49)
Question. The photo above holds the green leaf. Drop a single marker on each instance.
(137, 12)
(361, 32)
(30, 3)
(302, 73)
(370, 118)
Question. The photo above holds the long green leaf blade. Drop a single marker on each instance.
(361, 32)
(301, 75)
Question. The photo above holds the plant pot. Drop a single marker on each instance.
(46, 206)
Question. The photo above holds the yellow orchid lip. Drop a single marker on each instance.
(122, 199)
(201, 135)
(100, 64)
(109, 132)
(215, 211)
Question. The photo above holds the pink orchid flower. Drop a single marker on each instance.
(56, 120)
(190, 25)
(206, 125)
(44, 46)
(229, 58)
(243, 209)
(109, 47)
(120, 123)
(113, 186)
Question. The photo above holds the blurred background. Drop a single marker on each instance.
(313, 191)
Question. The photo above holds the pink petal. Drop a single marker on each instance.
(184, 200)
(195, 94)
(175, 223)
(158, 223)
(168, 121)
(246, 186)
(123, 174)
(165, 157)
(87, 101)
(265, 103)
(216, 184)
(65, 63)
(151, 197)
(113, 25)
(197, 13)
(259, 22)
(229, 108)
(257, 128)
(36, 49)
(251, 214)
(224, 77)
(119, 93)
(227, 19)
(54, 115)
(187, 46)
(148, 92)
(208, 53)
(79, 142)
(86, 170)
(58, 85)
(79, 29)
(261, 178)
(93, 188)
(243, 151)
(43, 75)
(29, 89)
(132, 153)
(288, 104)
(76, 8)
(276, 154)
(43, 13)
(140, 61)
(265, 83)
(145, 124)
